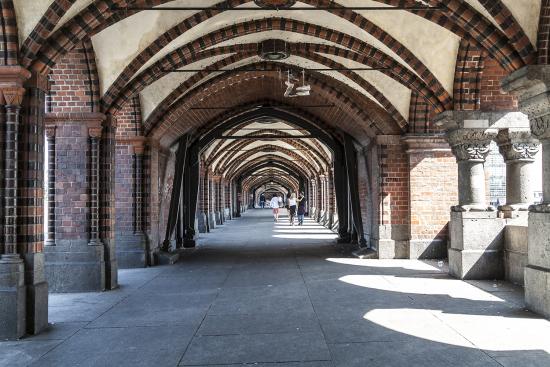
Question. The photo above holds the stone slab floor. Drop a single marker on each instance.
(267, 294)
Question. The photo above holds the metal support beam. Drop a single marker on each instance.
(342, 197)
(353, 185)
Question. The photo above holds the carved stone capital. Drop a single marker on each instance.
(471, 144)
(12, 96)
(517, 145)
(531, 85)
(95, 132)
(50, 131)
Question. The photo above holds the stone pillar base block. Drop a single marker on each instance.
(537, 290)
(13, 296)
(75, 268)
(477, 245)
(201, 223)
(131, 251)
(392, 249)
(476, 264)
(212, 220)
(428, 249)
(167, 258)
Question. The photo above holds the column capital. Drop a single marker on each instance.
(531, 84)
(471, 144)
(517, 145)
(95, 132)
(50, 131)
(12, 96)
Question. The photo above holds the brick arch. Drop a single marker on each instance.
(43, 29)
(229, 167)
(351, 109)
(98, 15)
(267, 158)
(283, 181)
(468, 74)
(164, 106)
(9, 42)
(308, 150)
(367, 54)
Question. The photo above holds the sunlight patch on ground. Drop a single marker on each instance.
(307, 236)
(493, 333)
(404, 264)
(427, 286)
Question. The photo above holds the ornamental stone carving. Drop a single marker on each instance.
(517, 145)
(471, 144)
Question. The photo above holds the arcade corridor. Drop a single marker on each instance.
(265, 294)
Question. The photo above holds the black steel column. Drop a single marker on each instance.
(351, 168)
(192, 181)
(341, 190)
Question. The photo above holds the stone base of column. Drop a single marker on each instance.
(476, 248)
(37, 293)
(201, 222)
(392, 241)
(167, 258)
(131, 250)
(537, 272)
(75, 267)
(428, 249)
(12, 299)
(111, 264)
(227, 214)
(219, 218)
(212, 220)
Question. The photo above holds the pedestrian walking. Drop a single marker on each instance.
(275, 203)
(301, 208)
(292, 207)
(262, 201)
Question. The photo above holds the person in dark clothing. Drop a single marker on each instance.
(301, 208)
(262, 201)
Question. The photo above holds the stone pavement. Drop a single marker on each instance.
(263, 294)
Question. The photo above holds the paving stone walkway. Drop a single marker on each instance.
(267, 294)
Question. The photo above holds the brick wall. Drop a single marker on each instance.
(71, 183)
(491, 95)
(124, 187)
(394, 182)
(433, 190)
(74, 86)
(544, 34)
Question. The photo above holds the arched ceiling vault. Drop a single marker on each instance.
(418, 48)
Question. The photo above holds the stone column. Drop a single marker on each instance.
(476, 232)
(519, 149)
(50, 210)
(532, 86)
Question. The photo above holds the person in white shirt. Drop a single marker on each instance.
(274, 203)
(292, 208)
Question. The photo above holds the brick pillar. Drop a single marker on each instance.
(532, 86)
(202, 214)
(16, 296)
(433, 187)
(212, 200)
(77, 261)
(319, 198)
(392, 239)
(107, 200)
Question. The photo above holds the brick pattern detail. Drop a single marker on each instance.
(107, 182)
(72, 195)
(74, 82)
(468, 73)
(492, 97)
(433, 190)
(394, 184)
(543, 42)
(30, 198)
(124, 187)
(9, 42)
(420, 115)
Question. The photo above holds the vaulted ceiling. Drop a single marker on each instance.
(138, 50)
